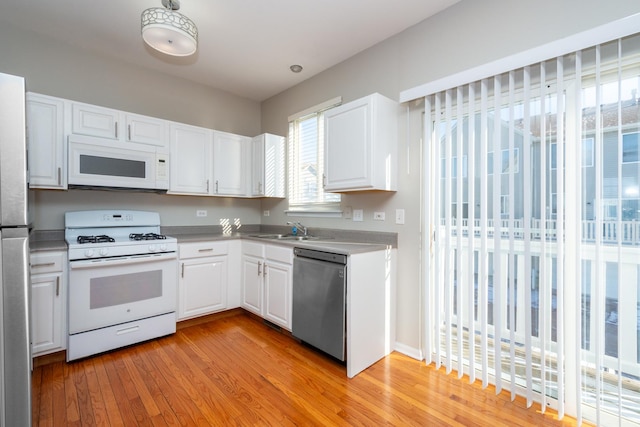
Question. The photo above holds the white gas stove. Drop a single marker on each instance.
(102, 234)
(122, 280)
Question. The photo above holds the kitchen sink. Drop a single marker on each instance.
(284, 237)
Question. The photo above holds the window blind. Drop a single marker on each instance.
(532, 277)
(306, 162)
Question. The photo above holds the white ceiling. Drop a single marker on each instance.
(245, 46)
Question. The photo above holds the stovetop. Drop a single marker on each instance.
(101, 234)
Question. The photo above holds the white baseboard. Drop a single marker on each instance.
(412, 352)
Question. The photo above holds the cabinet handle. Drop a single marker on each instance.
(206, 250)
(259, 268)
(182, 271)
(45, 264)
(207, 186)
(116, 130)
(324, 180)
(216, 186)
(259, 187)
(57, 286)
(129, 132)
(59, 176)
(265, 269)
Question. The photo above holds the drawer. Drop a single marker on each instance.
(253, 249)
(279, 253)
(202, 249)
(51, 262)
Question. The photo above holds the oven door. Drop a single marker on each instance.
(110, 291)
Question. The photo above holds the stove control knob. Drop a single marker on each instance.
(104, 252)
(163, 247)
(152, 248)
(88, 253)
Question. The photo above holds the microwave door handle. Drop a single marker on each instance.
(87, 264)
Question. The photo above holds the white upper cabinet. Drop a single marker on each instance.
(47, 148)
(119, 126)
(95, 121)
(190, 159)
(267, 171)
(230, 164)
(146, 130)
(361, 145)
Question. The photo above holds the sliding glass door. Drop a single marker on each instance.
(533, 268)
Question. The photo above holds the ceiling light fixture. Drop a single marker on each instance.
(168, 31)
(296, 68)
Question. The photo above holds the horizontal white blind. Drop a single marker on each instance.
(306, 162)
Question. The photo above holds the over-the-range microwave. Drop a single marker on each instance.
(94, 162)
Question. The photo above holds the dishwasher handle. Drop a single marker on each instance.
(321, 255)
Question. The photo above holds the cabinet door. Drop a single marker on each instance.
(45, 124)
(190, 160)
(230, 164)
(347, 146)
(257, 166)
(203, 286)
(46, 313)
(95, 121)
(277, 293)
(147, 130)
(268, 161)
(252, 269)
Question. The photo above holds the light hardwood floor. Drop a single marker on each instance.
(238, 371)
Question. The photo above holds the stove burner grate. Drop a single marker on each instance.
(146, 236)
(103, 238)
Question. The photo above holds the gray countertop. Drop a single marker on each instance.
(331, 240)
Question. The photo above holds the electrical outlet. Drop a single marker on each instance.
(265, 212)
(201, 213)
(358, 215)
(399, 216)
(378, 216)
(347, 212)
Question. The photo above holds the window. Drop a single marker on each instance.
(506, 162)
(454, 167)
(630, 151)
(587, 154)
(306, 162)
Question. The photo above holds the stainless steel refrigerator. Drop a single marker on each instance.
(15, 345)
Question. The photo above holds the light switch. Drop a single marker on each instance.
(399, 216)
(358, 215)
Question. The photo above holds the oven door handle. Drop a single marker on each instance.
(104, 262)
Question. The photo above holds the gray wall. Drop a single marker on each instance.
(466, 35)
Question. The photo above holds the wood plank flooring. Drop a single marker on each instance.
(238, 371)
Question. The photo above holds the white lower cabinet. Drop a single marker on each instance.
(267, 272)
(48, 295)
(202, 284)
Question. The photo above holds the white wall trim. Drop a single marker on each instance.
(412, 352)
(602, 34)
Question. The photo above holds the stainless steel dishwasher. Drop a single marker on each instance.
(319, 295)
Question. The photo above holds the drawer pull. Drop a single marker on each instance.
(127, 330)
(206, 250)
(44, 264)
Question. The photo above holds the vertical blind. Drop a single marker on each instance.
(532, 277)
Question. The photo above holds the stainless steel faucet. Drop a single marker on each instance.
(300, 226)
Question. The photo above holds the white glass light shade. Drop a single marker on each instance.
(169, 32)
